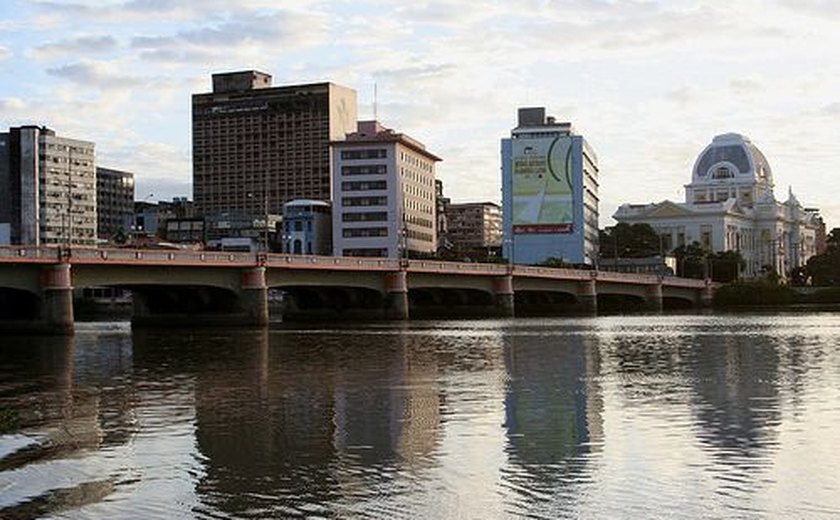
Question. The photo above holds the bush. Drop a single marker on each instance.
(827, 295)
(753, 293)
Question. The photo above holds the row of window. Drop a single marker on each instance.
(364, 232)
(364, 185)
(366, 169)
(364, 153)
(364, 201)
(367, 216)
(368, 252)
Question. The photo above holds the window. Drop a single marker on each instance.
(369, 169)
(364, 185)
(364, 201)
(365, 232)
(367, 216)
(365, 153)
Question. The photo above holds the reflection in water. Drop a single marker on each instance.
(553, 417)
(609, 417)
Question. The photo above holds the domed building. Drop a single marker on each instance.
(730, 206)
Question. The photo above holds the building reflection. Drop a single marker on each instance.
(735, 382)
(387, 403)
(553, 408)
(61, 405)
(288, 422)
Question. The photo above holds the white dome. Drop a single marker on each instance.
(733, 158)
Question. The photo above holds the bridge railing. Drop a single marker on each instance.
(85, 255)
(161, 256)
(330, 262)
(29, 253)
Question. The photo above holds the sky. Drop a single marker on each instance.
(648, 83)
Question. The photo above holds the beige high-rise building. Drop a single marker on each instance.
(256, 147)
(47, 188)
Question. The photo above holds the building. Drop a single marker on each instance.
(256, 147)
(441, 203)
(549, 192)
(475, 228)
(187, 230)
(383, 194)
(307, 227)
(150, 218)
(47, 188)
(730, 206)
(114, 202)
(233, 231)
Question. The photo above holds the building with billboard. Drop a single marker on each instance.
(730, 206)
(549, 192)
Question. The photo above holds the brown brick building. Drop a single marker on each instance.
(256, 147)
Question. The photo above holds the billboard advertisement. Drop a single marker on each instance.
(542, 185)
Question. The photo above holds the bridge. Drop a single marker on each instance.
(220, 288)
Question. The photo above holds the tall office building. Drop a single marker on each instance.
(114, 202)
(256, 147)
(549, 192)
(47, 188)
(384, 194)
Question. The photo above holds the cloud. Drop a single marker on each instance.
(247, 34)
(156, 10)
(831, 110)
(746, 86)
(93, 74)
(81, 45)
(5, 53)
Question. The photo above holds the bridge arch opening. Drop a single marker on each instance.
(449, 302)
(677, 303)
(617, 303)
(544, 303)
(340, 302)
(17, 304)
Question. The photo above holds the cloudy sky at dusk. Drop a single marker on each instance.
(649, 83)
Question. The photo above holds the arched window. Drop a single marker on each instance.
(722, 172)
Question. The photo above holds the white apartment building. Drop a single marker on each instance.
(47, 188)
(383, 194)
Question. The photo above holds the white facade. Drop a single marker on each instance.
(48, 188)
(730, 206)
(383, 194)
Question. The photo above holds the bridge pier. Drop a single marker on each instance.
(56, 300)
(503, 296)
(653, 297)
(396, 295)
(705, 296)
(253, 296)
(587, 297)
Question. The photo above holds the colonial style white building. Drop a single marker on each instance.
(730, 206)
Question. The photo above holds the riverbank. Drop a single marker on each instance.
(762, 293)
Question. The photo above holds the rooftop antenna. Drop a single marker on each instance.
(375, 96)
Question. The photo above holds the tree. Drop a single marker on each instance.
(691, 261)
(629, 241)
(726, 266)
(824, 269)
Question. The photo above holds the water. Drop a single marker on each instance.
(732, 416)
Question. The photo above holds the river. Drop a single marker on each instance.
(665, 416)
